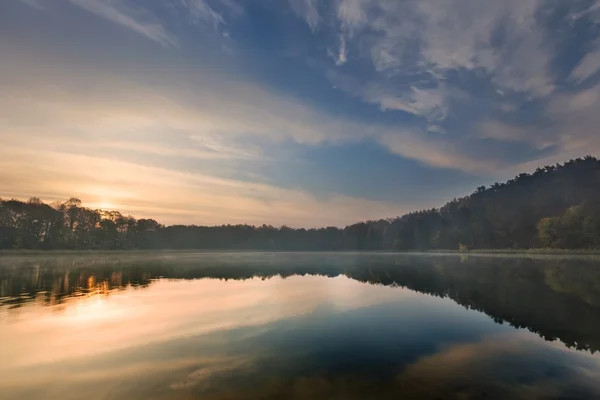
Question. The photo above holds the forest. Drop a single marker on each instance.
(554, 207)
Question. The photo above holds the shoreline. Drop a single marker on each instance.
(535, 251)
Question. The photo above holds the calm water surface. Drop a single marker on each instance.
(298, 326)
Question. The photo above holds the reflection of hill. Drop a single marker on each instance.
(556, 298)
(559, 299)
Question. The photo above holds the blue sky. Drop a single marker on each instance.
(298, 112)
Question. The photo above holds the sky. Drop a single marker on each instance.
(298, 112)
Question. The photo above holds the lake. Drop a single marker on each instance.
(298, 326)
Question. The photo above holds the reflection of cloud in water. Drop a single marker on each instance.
(133, 318)
(519, 364)
(222, 367)
(514, 365)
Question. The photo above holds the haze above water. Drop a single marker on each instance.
(298, 326)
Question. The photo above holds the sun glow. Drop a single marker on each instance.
(106, 205)
(104, 197)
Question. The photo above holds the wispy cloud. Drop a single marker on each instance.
(308, 10)
(440, 152)
(201, 10)
(352, 14)
(430, 102)
(589, 65)
(137, 19)
(570, 121)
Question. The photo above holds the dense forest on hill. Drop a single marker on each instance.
(555, 207)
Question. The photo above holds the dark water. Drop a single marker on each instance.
(299, 326)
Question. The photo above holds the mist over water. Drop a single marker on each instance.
(252, 325)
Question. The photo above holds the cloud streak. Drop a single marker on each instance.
(143, 23)
(201, 10)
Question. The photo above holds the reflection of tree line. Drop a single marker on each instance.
(50, 285)
(557, 299)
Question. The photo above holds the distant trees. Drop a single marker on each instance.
(556, 206)
(69, 225)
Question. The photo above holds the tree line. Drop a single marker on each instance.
(555, 207)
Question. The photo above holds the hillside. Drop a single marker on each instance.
(555, 207)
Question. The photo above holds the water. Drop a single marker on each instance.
(298, 326)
